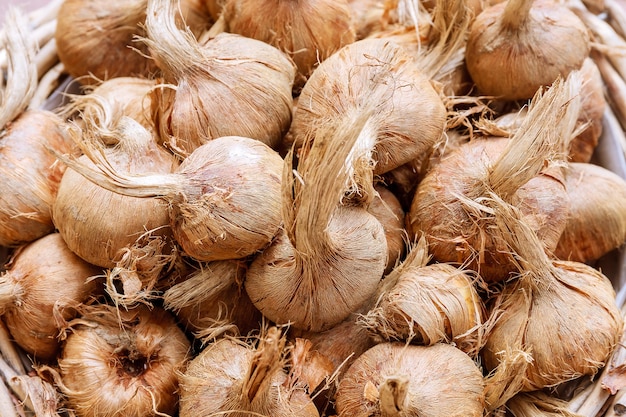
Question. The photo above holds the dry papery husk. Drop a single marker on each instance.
(375, 72)
(82, 209)
(17, 89)
(44, 284)
(475, 6)
(597, 221)
(333, 351)
(549, 297)
(139, 268)
(386, 207)
(332, 252)
(436, 38)
(342, 343)
(30, 174)
(394, 379)
(407, 21)
(124, 96)
(427, 304)
(309, 31)
(212, 300)
(516, 47)
(469, 239)
(514, 169)
(111, 28)
(118, 362)
(401, 14)
(593, 105)
(228, 85)
(316, 372)
(30, 394)
(367, 16)
(243, 378)
(223, 200)
(589, 123)
(409, 30)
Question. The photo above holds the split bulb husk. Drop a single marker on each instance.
(410, 112)
(30, 175)
(309, 31)
(315, 371)
(436, 38)
(44, 284)
(213, 299)
(122, 362)
(238, 379)
(475, 6)
(514, 48)
(394, 380)
(444, 61)
(442, 56)
(550, 297)
(208, 81)
(138, 270)
(332, 252)
(391, 27)
(111, 28)
(427, 304)
(34, 393)
(512, 168)
(82, 209)
(597, 221)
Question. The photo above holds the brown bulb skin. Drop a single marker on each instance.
(570, 324)
(455, 236)
(96, 39)
(30, 175)
(218, 382)
(123, 363)
(394, 379)
(43, 286)
(409, 111)
(597, 221)
(308, 31)
(96, 223)
(511, 61)
(230, 207)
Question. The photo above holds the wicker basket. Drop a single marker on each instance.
(23, 393)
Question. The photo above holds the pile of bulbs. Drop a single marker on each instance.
(308, 208)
